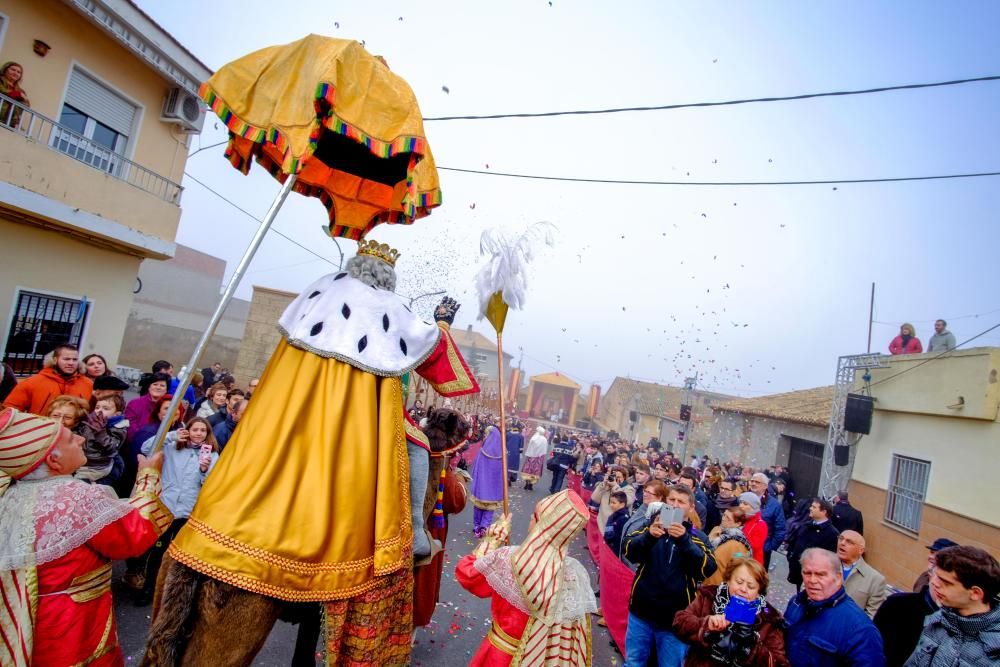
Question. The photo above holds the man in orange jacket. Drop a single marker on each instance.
(63, 377)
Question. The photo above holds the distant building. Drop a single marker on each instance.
(90, 181)
(930, 466)
(171, 309)
(639, 411)
(480, 352)
(788, 429)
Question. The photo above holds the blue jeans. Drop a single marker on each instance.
(639, 638)
(558, 475)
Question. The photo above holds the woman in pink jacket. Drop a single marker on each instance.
(906, 342)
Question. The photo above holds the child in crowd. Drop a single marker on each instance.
(594, 475)
(617, 520)
(98, 447)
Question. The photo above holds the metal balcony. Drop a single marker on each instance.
(43, 130)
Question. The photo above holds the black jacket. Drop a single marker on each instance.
(613, 529)
(846, 517)
(809, 535)
(900, 619)
(670, 571)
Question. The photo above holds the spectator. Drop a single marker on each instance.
(755, 529)
(823, 625)
(846, 516)
(942, 340)
(906, 342)
(224, 430)
(729, 542)
(640, 476)
(924, 580)
(515, 443)
(8, 380)
(189, 454)
(863, 583)
(654, 491)
(60, 377)
(594, 476)
(672, 561)
(785, 498)
(139, 411)
(233, 398)
(689, 478)
(900, 620)
(704, 626)
(212, 374)
(619, 504)
(133, 445)
(215, 399)
(771, 512)
(252, 387)
(99, 449)
(11, 78)
(563, 458)
(163, 366)
(95, 366)
(106, 386)
(966, 629)
(113, 408)
(723, 501)
(198, 385)
(817, 533)
(615, 481)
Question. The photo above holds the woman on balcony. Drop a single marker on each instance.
(10, 85)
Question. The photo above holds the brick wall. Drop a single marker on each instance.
(261, 334)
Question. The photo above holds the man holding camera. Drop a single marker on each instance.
(673, 559)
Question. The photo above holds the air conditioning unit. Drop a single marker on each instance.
(184, 109)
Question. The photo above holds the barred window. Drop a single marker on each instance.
(907, 490)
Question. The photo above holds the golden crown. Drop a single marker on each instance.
(380, 250)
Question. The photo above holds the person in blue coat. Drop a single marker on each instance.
(825, 626)
(515, 443)
(772, 514)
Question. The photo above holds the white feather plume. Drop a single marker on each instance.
(506, 268)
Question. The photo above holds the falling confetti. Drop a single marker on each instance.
(445, 89)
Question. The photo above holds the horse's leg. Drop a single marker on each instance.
(230, 626)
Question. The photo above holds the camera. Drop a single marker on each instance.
(733, 645)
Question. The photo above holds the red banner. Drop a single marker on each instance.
(616, 586)
(575, 482)
(594, 540)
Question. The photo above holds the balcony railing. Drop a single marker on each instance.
(33, 125)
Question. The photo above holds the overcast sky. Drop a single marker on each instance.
(760, 289)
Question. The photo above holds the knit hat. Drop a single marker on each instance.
(750, 499)
(25, 441)
(110, 383)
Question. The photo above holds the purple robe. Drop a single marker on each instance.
(488, 479)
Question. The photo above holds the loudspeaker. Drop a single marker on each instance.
(685, 413)
(858, 413)
(841, 455)
(633, 416)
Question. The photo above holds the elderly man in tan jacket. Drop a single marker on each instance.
(863, 583)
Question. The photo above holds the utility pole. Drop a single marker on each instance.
(871, 317)
(690, 385)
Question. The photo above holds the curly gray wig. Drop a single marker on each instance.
(372, 271)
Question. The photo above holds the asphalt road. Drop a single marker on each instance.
(461, 619)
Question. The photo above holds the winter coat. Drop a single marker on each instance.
(774, 516)
(182, 477)
(670, 570)
(812, 534)
(602, 494)
(635, 524)
(756, 533)
(847, 517)
(614, 527)
(515, 443)
(913, 346)
(951, 640)
(833, 632)
(716, 507)
(690, 625)
(139, 413)
(866, 586)
(223, 432)
(732, 543)
(941, 342)
(35, 393)
(900, 620)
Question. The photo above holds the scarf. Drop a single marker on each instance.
(906, 340)
(722, 601)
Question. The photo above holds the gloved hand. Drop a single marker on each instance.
(497, 535)
(445, 311)
(97, 421)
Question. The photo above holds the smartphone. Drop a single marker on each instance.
(669, 515)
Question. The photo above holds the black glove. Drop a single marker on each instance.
(445, 311)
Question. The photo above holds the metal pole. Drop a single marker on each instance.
(871, 316)
(184, 377)
(503, 420)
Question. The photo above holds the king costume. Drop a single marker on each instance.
(58, 536)
(325, 516)
(541, 596)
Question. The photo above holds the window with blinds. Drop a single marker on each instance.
(904, 502)
(94, 124)
(88, 96)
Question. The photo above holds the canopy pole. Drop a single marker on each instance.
(503, 423)
(184, 377)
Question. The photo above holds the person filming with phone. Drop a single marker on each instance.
(673, 559)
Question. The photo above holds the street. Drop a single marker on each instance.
(461, 620)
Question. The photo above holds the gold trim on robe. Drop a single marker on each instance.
(146, 499)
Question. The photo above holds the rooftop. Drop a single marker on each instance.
(806, 406)
(556, 379)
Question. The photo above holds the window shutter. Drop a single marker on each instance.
(99, 103)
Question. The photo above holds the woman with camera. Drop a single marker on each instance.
(732, 623)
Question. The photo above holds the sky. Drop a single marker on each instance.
(757, 289)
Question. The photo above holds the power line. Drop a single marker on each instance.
(838, 181)
(689, 105)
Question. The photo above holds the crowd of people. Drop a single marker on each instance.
(700, 537)
(88, 399)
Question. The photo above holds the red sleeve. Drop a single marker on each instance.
(446, 370)
(130, 536)
(770, 650)
(690, 623)
(472, 579)
(918, 346)
(896, 346)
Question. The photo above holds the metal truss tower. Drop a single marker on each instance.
(834, 477)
